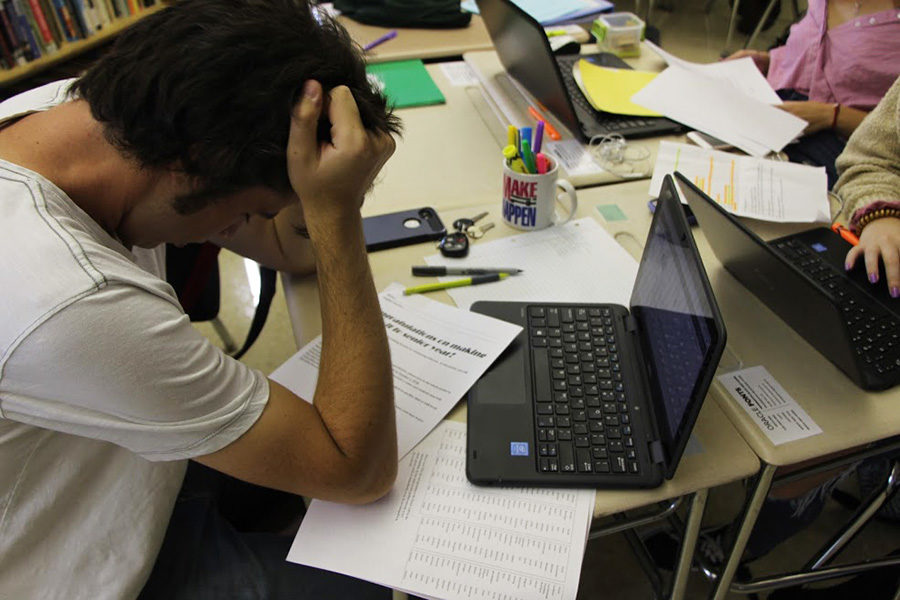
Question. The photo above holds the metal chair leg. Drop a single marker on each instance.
(753, 504)
(688, 544)
(865, 512)
(227, 340)
(731, 25)
(762, 21)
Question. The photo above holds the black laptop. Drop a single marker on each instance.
(801, 278)
(599, 395)
(525, 52)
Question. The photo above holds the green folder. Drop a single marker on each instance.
(406, 83)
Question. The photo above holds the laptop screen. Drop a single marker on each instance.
(525, 53)
(681, 330)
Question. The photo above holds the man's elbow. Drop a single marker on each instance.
(362, 483)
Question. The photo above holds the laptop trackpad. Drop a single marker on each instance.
(505, 381)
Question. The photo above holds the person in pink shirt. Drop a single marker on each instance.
(837, 63)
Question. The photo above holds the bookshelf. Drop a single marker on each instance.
(69, 50)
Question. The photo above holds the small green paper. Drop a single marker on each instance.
(611, 212)
(406, 83)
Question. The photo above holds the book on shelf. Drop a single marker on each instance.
(31, 29)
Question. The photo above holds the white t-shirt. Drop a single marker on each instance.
(105, 390)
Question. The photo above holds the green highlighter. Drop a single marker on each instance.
(443, 285)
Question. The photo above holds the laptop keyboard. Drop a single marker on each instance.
(874, 332)
(581, 405)
(611, 122)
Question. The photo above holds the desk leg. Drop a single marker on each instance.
(749, 513)
(688, 544)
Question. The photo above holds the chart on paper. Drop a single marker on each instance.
(747, 186)
(482, 545)
(436, 535)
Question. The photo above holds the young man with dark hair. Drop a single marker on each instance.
(238, 121)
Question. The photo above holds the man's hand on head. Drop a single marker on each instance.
(331, 176)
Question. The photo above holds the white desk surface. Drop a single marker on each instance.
(420, 43)
(447, 157)
(725, 457)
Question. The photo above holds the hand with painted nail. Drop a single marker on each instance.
(880, 240)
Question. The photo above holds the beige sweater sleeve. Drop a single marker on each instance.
(869, 167)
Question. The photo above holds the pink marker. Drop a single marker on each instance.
(542, 163)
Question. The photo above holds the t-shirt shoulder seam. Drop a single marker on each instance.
(81, 255)
(185, 451)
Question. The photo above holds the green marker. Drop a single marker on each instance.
(443, 285)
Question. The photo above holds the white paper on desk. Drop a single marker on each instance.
(437, 535)
(769, 405)
(748, 186)
(458, 73)
(741, 73)
(717, 108)
(575, 262)
(437, 354)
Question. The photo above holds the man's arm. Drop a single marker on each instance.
(275, 242)
(343, 447)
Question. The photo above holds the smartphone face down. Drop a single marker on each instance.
(402, 228)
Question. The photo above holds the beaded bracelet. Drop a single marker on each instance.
(879, 213)
(837, 111)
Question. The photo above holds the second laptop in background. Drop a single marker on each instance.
(525, 53)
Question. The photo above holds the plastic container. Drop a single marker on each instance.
(620, 33)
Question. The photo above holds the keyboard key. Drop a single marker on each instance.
(566, 458)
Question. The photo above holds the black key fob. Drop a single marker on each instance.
(454, 245)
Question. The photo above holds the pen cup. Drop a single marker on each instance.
(529, 199)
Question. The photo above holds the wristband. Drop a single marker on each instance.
(837, 111)
(876, 210)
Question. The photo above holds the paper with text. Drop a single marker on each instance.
(437, 535)
(578, 262)
(769, 405)
(437, 353)
(746, 186)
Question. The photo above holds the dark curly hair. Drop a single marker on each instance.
(208, 85)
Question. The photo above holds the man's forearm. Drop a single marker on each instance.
(354, 393)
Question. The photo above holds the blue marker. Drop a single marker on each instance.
(526, 137)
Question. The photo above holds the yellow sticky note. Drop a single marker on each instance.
(611, 90)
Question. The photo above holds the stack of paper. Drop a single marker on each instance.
(769, 190)
(729, 100)
(555, 12)
(438, 536)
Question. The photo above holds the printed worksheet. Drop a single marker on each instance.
(770, 190)
(436, 535)
(771, 407)
(437, 353)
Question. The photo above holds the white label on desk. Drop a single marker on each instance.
(769, 405)
(573, 156)
(459, 74)
(438, 536)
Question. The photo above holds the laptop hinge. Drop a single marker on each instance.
(630, 324)
(656, 452)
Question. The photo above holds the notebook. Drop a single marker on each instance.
(801, 278)
(599, 395)
(525, 52)
(406, 83)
